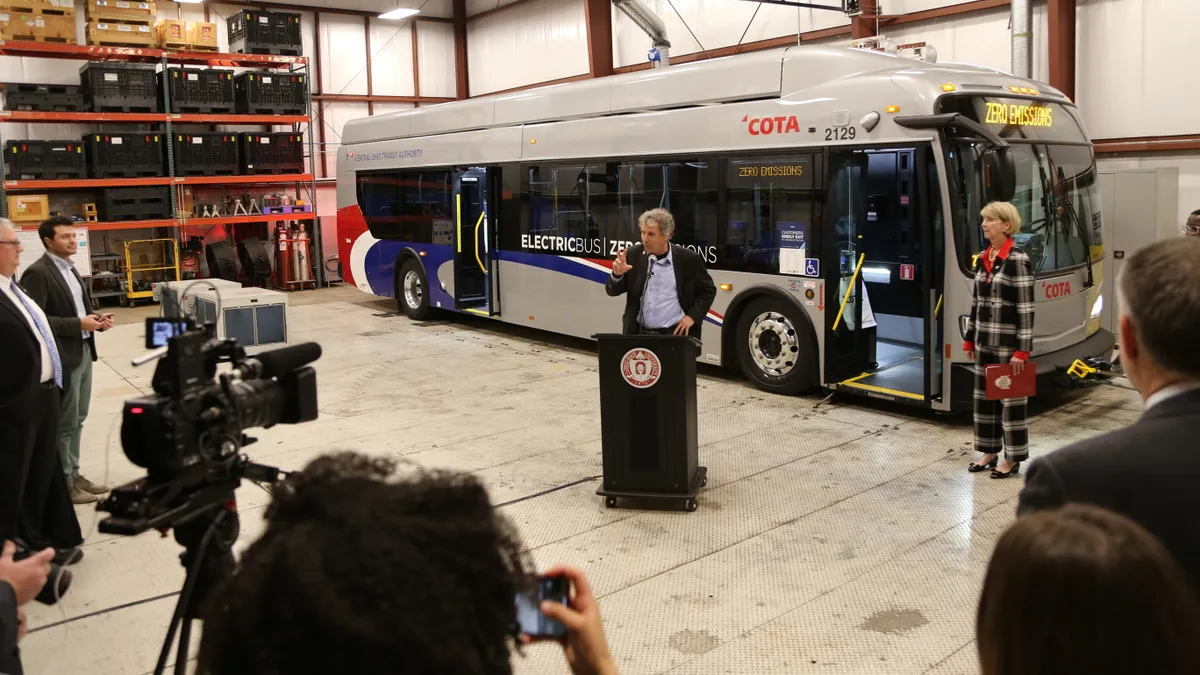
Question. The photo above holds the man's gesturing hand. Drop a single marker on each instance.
(620, 266)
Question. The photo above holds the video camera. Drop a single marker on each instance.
(189, 434)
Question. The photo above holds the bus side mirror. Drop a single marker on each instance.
(999, 175)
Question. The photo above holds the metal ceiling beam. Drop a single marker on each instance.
(1061, 14)
(598, 15)
(801, 5)
(461, 76)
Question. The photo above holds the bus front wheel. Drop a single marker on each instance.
(411, 291)
(776, 348)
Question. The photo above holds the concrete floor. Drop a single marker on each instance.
(846, 538)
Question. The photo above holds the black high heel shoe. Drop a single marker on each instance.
(1016, 469)
(976, 468)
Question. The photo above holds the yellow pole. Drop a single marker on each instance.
(849, 290)
(458, 218)
(477, 258)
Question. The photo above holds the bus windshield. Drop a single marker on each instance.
(1057, 191)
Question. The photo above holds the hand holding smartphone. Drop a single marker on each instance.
(571, 617)
(530, 618)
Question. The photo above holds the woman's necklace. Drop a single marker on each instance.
(992, 255)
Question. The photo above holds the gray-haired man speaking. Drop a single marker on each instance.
(668, 290)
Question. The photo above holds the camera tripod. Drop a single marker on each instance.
(207, 556)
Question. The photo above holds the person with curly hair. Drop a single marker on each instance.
(364, 571)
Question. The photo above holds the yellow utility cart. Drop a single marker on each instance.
(148, 262)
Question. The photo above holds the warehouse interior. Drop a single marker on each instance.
(834, 534)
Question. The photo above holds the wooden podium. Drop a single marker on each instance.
(648, 418)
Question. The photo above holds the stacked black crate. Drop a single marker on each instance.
(137, 203)
(44, 160)
(262, 32)
(265, 92)
(119, 87)
(126, 155)
(271, 153)
(198, 90)
(42, 97)
(206, 154)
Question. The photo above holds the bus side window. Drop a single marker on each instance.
(772, 203)
(412, 206)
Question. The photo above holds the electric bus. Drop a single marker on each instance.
(834, 194)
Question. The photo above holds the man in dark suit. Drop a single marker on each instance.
(56, 286)
(668, 290)
(33, 497)
(1148, 471)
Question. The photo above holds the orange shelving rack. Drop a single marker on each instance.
(300, 183)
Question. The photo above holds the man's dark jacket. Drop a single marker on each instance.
(692, 283)
(1147, 472)
(45, 284)
(10, 657)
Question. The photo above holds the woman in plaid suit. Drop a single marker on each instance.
(1000, 330)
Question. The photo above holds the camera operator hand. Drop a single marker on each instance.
(27, 576)
(585, 646)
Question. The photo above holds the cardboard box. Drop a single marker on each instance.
(120, 34)
(22, 208)
(172, 32)
(202, 35)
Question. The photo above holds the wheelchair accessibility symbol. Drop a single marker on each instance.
(812, 267)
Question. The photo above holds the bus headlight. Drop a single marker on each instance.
(1098, 307)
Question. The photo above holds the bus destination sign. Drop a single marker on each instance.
(795, 173)
(1021, 115)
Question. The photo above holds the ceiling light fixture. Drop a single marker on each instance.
(399, 13)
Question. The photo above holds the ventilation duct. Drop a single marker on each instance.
(648, 21)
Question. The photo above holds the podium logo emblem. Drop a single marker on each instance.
(641, 368)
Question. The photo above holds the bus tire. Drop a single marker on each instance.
(412, 291)
(776, 347)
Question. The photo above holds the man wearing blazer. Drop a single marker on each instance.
(667, 288)
(1148, 471)
(56, 286)
(33, 498)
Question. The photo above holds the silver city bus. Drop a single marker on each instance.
(833, 192)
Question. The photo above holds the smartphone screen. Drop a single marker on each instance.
(160, 330)
(529, 615)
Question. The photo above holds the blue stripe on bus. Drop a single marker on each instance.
(576, 267)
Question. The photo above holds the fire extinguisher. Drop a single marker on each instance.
(283, 256)
(303, 268)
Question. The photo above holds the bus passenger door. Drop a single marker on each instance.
(473, 240)
(847, 343)
(933, 274)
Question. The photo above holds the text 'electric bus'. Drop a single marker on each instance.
(833, 192)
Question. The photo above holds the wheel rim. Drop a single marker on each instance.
(774, 344)
(413, 291)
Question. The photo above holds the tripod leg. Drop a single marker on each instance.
(181, 656)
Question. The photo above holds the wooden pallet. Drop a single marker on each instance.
(38, 38)
(136, 37)
(176, 46)
(124, 19)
